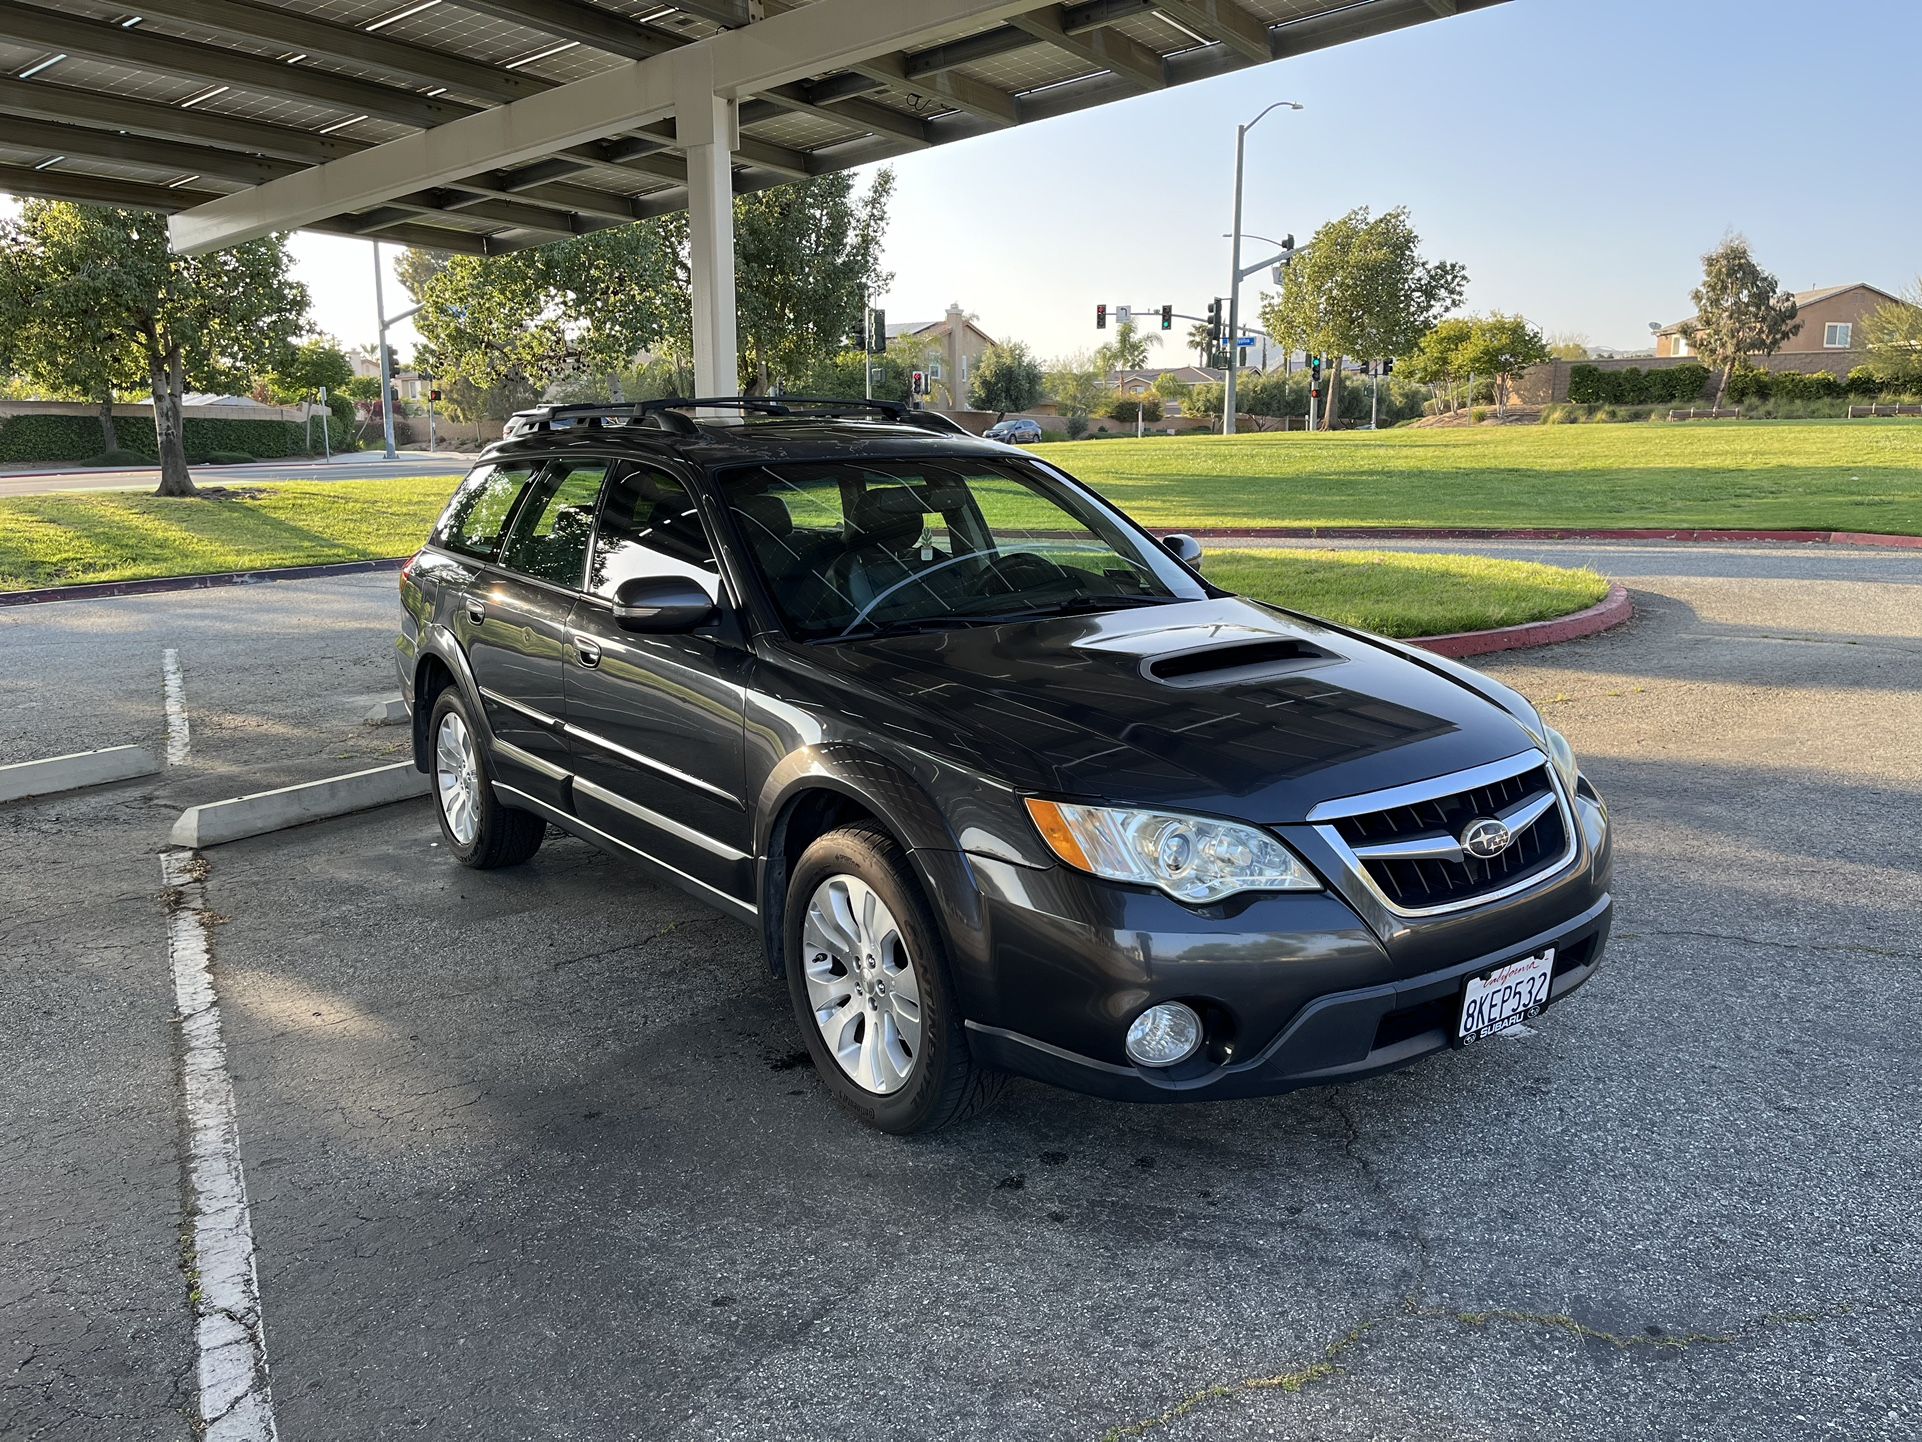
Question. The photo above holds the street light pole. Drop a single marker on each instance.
(1234, 269)
(386, 370)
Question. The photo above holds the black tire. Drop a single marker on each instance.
(505, 835)
(945, 1083)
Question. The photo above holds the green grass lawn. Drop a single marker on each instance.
(75, 537)
(1764, 475)
(1820, 475)
(1396, 594)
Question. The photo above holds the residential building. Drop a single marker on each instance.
(1831, 323)
(1140, 382)
(956, 345)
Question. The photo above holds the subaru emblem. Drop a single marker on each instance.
(1486, 837)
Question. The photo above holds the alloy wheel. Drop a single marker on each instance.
(457, 779)
(861, 983)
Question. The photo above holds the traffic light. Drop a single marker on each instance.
(1214, 322)
(434, 394)
(1314, 368)
(1388, 366)
(1101, 317)
(877, 332)
(1167, 317)
(918, 383)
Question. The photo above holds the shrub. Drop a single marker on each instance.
(1077, 427)
(117, 460)
(1128, 408)
(1674, 385)
(74, 438)
(1795, 386)
(227, 458)
(1478, 415)
(1863, 381)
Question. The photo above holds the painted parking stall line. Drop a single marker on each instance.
(230, 1346)
(174, 689)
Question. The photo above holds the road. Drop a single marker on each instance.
(530, 1153)
(355, 467)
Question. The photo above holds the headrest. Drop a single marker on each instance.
(768, 513)
(890, 516)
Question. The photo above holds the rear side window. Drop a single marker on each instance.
(649, 527)
(551, 532)
(478, 514)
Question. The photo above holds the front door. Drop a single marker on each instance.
(519, 612)
(656, 720)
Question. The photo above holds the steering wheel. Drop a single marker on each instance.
(1013, 571)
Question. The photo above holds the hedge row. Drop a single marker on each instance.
(78, 438)
(1760, 385)
(1673, 385)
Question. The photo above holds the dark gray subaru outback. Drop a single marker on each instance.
(1004, 783)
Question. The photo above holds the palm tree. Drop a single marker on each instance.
(1198, 340)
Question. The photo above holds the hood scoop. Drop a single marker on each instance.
(1238, 663)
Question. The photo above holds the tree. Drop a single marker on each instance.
(311, 364)
(1128, 351)
(78, 356)
(1893, 333)
(212, 321)
(1361, 289)
(1201, 342)
(807, 257)
(1437, 359)
(1007, 379)
(1078, 385)
(1568, 345)
(523, 320)
(1171, 387)
(1740, 311)
(1501, 346)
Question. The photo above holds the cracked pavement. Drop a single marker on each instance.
(530, 1154)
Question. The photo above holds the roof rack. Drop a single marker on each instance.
(667, 414)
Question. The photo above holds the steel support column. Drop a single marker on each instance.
(706, 125)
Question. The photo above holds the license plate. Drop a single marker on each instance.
(1505, 995)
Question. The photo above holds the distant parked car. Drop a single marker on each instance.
(1014, 431)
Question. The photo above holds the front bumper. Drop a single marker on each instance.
(1339, 1036)
(1295, 989)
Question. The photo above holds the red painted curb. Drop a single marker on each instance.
(1611, 611)
(1459, 533)
(106, 590)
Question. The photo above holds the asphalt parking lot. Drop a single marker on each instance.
(536, 1154)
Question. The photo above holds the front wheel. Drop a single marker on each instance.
(867, 975)
(480, 831)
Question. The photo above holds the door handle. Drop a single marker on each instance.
(588, 653)
(476, 612)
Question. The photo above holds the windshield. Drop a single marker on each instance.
(856, 548)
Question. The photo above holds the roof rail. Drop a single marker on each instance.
(667, 414)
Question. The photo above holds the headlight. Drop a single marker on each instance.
(1561, 754)
(1192, 858)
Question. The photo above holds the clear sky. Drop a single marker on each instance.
(1577, 157)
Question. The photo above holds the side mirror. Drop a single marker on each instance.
(661, 604)
(1184, 548)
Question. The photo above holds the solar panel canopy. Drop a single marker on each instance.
(490, 125)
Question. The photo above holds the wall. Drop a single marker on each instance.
(143, 411)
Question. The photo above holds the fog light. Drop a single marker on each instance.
(1165, 1034)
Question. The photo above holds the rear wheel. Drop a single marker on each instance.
(867, 975)
(480, 831)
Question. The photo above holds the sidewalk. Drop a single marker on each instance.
(351, 466)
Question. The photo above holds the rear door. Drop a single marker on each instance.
(518, 614)
(657, 721)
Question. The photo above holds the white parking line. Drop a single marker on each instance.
(230, 1344)
(175, 688)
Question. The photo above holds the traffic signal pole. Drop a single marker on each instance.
(1234, 269)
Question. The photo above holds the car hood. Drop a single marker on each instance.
(1219, 705)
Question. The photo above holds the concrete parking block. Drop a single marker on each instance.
(390, 712)
(71, 772)
(264, 811)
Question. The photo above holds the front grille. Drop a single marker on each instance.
(1417, 885)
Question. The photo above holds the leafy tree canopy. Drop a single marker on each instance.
(307, 367)
(1501, 346)
(1361, 289)
(1008, 379)
(1128, 351)
(139, 311)
(1893, 333)
(1078, 385)
(1740, 310)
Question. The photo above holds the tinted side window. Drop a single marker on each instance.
(550, 535)
(475, 518)
(649, 527)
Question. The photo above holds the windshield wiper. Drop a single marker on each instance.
(912, 626)
(1082, 605)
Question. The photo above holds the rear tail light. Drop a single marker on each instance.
(407, 570)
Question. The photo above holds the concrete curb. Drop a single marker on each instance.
(106, 590)
(1525, 533)
(1611, 611)
(54, 774)
(264, 811)
(390, 712)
